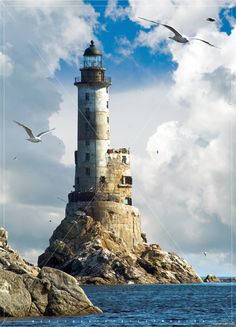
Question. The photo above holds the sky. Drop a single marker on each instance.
(174, 105)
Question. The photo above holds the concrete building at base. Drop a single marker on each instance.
(103, 181)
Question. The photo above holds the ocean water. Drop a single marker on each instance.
(151, 305)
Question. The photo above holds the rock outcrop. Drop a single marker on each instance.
(211, 279)
(82, 247)
(26, 290)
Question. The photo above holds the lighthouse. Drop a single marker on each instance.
(103, 181)
(93, 122)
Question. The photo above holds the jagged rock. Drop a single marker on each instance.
(11, 261)
(25, 290)
(3, 237)
(82, 247)
(211, 279)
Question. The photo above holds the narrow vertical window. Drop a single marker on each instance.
(107, 104)
(87, 171)
(108, 120)
(86, 96)
(87, 156)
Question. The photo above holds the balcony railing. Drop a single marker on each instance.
(107, 79)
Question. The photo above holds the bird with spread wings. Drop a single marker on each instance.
(32, 137)
(177, 36)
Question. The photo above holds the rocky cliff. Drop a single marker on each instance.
(84, 248)
(26, 290)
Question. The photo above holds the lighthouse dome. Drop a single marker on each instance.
(92, 50)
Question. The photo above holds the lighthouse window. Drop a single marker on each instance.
(128, 201)
(87, 156)
(107, 119)
(87, 171)
(86, 96)
(127, 180)
(102, 179)
(107, 104)
(107, 89)
(124, 159)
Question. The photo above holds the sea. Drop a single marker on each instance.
(212, 304)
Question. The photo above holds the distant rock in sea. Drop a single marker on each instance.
(211, 279)
(26, 290)
(228, 280)
(84, 248)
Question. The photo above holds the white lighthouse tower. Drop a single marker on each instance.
(103, 181)
(93, 122)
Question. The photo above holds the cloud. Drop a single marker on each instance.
(114, 11)
(43, 36)
(125, 47)
(6, 65)
(185, 191)
(67, 116)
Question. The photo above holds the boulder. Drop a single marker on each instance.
(15, 299)
(211, 279)
(25, 290)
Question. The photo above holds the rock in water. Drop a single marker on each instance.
(84, 248)
(211, 279)
(25, 290)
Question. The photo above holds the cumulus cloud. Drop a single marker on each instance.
(186, 189)
(114, 11)
(6, 65)
(43, 35)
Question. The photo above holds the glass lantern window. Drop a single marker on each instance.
(93, 61)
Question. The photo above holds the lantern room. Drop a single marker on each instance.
(92, 57)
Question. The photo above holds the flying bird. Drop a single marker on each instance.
(33, 138)
(205, 254)
(177, 36)
(209, 19)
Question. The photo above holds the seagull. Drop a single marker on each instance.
(205, 254)
(33, 139)
(177, 36)
(209, 19)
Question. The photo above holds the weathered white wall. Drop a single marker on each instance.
(97, 132)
